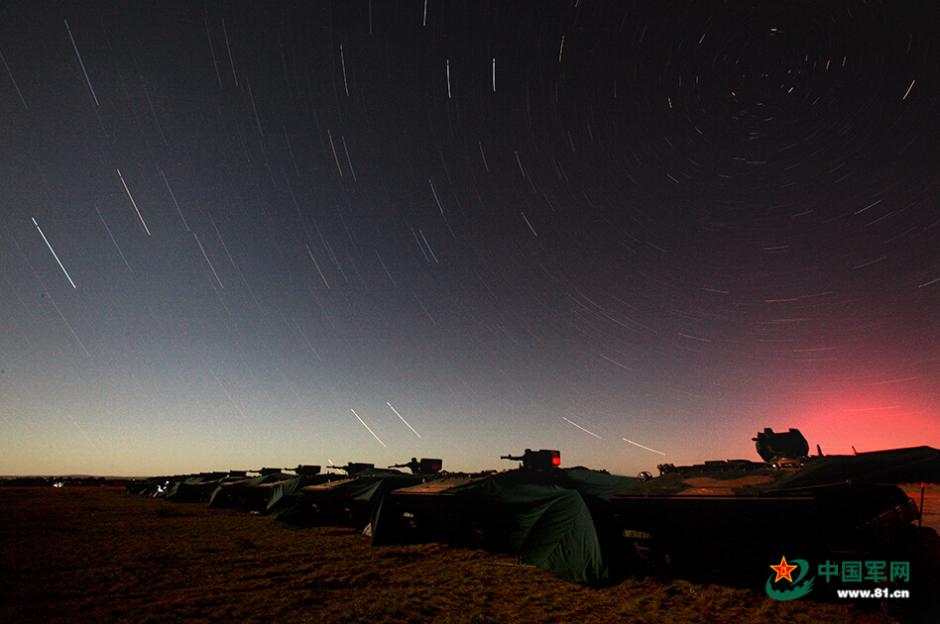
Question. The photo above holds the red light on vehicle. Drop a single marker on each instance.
(556, 460)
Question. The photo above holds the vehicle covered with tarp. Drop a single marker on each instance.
(557, 519)
(286, 499)
(243, 493)
(145, 487)
(352, 501)
(195, 488)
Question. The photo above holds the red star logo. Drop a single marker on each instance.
(783, 570)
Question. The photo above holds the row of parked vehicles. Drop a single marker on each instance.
(592, 526)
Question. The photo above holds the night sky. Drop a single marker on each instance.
(505, 221)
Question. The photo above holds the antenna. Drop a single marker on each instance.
(920, 516)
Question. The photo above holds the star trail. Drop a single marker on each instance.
(517, 223)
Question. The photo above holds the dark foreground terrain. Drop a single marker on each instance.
(98, 555)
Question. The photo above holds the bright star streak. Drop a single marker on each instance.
(646, 448)
(133, 203)
(378, 439)
(54, 254)
(402, 419)
(581, 428)
(82, 63)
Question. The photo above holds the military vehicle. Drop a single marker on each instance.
(242, 492)
(721, 514)
(588, 525)
(259, 497)
(355, 500)
(553, 517)
(287, 501)
(196, 488)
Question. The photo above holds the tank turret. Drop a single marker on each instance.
(542, 459)
(426, 466)
(786, 446)
(354, 468)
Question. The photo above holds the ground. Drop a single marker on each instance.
(100, 555)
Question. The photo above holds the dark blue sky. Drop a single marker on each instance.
(668, 223)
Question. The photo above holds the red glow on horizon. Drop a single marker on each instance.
(869, 419)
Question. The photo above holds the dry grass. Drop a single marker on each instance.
(98, 555)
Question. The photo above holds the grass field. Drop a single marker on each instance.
(77, 555)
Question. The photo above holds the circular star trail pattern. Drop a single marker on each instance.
(235, 233)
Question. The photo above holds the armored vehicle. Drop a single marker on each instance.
(556, 518)
(724, 513)
(353, 500)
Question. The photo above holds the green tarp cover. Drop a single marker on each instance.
(291, 505)
(544, 519)
(546, 525)
(595, 483)
(191, 490)
(370, 487)
(176, 483)
(282, 490)
(172, 489)
(288, 502)
(224, 495)
(370, 483)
